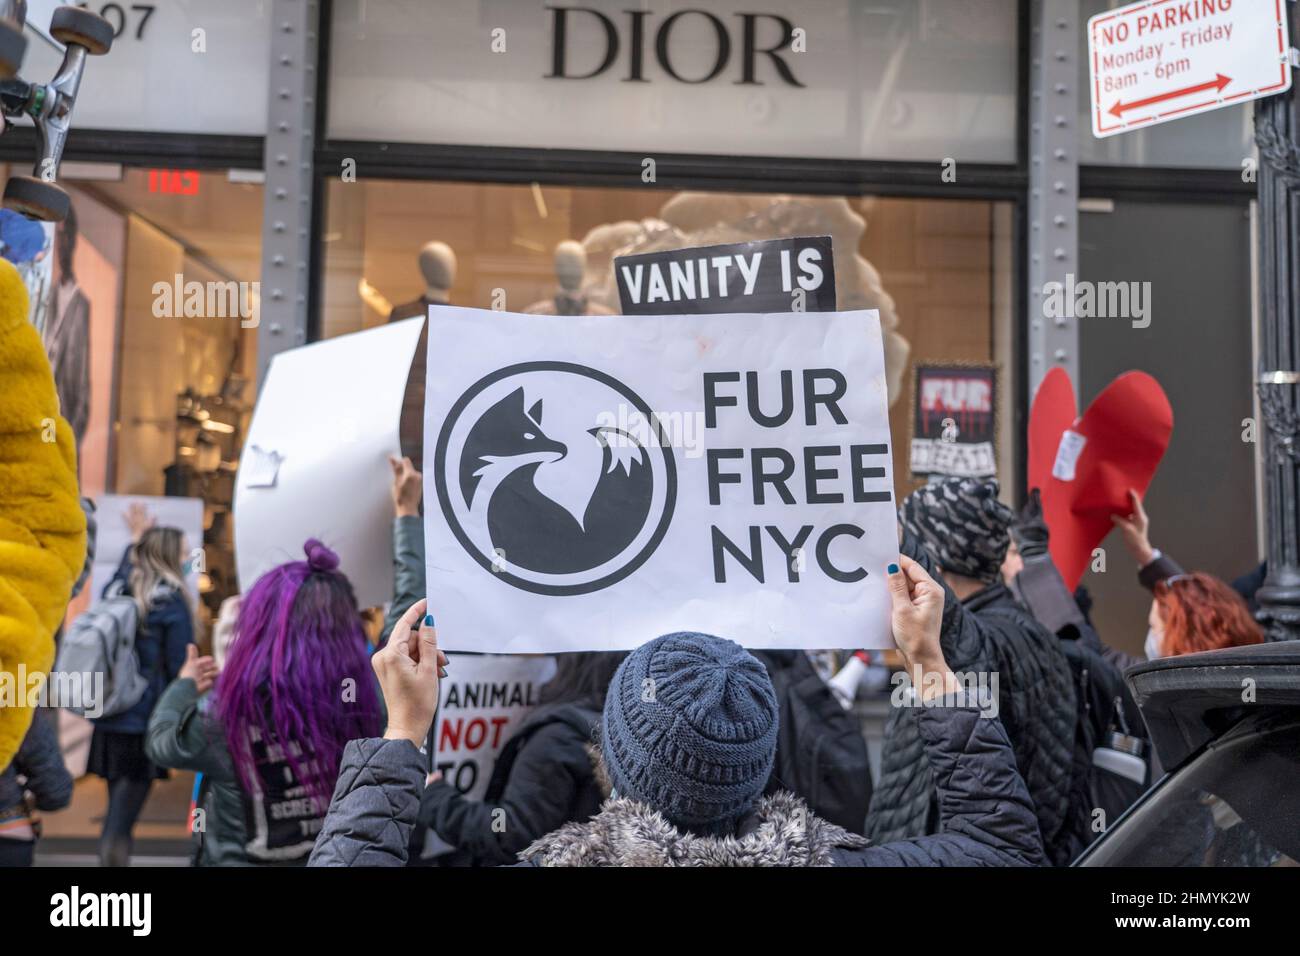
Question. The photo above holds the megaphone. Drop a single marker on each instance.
(844, 685)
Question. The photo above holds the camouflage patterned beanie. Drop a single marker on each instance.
(963, 525)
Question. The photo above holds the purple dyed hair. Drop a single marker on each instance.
(298, 638)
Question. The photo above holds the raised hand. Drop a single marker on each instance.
(1135, 530)
(408, 668)
(201, 670)
(408, 487)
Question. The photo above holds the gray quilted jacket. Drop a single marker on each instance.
(374, 807)
(985, 815)
(988, 633)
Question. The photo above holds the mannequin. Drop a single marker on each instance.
(437, 264)
(570, 269)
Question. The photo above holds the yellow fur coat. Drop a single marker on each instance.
(42, 526)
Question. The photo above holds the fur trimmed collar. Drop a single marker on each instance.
(782, 831)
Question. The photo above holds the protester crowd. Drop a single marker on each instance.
(312, 743)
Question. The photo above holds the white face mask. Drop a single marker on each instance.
(1152, 647)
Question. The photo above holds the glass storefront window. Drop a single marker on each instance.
(939, 271)
(182, 269)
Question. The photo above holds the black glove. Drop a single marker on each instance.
(1029, 531)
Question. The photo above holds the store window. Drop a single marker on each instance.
(146, 297)
(938, 270)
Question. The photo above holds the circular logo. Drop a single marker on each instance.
(554, 477)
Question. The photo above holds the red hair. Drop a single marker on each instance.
(1201, 613)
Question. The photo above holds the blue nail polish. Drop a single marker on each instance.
(428, 620)
(892, 569)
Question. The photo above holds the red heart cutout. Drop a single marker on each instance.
(1085, 466)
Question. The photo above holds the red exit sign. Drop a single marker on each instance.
(177, 182)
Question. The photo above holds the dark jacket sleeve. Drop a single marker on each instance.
(986, 816)
(408, 570)
(1158, 569)
(374, 806)
(177, 631)
(40, 761)
(122, 574)
(902, 798)
(182, 737)
(537, 798)
(1040, 587)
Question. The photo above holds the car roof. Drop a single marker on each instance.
(1189, 700)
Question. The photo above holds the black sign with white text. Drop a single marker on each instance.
(775, 275)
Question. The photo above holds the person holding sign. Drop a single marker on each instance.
(687, 741)
(294, 690)
(959, 527)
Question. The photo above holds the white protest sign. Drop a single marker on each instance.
(593, 483)
(113, 537)
(1162, 60)
(482, 702)
(325, 423)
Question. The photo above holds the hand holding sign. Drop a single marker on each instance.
(408, 668)
(1136, 530)
(916, 612)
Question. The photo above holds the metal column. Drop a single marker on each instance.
(287, 198)
(1053, 181)
(1277, 133)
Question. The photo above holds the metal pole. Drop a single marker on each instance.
(1053, 181)
(287, 196)
(1277, 134)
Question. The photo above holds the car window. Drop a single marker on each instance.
(1237, 804)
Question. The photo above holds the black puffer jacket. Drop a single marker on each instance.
(989, 633)
(543, 779)
(985, 815)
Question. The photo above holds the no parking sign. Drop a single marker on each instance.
(1154, 62)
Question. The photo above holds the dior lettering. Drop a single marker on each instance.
(688, 46)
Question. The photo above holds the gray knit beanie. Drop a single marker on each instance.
(963, 525)
(690, 729)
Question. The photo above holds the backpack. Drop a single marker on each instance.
(1105, 712)
(821, 754)
(102, 641)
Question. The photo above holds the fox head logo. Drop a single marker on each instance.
(534, 488)
(502, 443)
